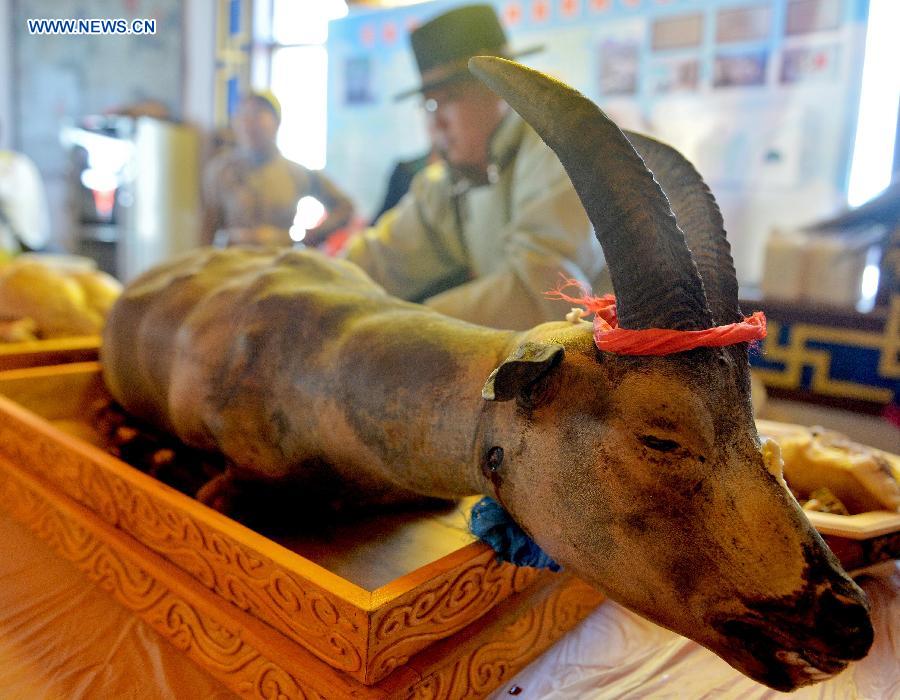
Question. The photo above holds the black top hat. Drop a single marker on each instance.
(444, 45)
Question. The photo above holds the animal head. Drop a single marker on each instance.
(645, 475)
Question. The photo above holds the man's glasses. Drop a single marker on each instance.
(445, 95)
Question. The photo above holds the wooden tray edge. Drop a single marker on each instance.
(246, 654)
(861, 526)
(366, 628)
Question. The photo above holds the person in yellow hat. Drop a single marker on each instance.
(251, 192)
(484, 233)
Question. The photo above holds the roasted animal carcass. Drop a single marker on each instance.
(643, 475)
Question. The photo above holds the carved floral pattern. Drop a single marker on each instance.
(445, 607)
(485, 667)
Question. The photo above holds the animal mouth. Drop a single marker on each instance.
(779, 659)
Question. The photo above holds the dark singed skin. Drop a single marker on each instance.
(643, 475)
(355, 381)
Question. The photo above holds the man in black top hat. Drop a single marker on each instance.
(482, 235)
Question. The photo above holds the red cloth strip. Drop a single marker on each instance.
(655, 341)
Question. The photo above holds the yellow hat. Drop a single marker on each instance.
(267, 99)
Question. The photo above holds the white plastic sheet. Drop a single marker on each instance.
(62, 637)
(616, 654)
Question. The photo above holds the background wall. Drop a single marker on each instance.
(6, 136)
(198, 87)
(62, 77)
(761, 95)
(47, 82)
(59, 79)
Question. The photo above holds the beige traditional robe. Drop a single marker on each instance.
(486, 254)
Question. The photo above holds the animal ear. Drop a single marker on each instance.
(517, 372)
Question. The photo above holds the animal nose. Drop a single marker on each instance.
(843, 623)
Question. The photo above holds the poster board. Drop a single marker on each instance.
(761, 95)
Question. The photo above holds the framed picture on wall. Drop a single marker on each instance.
(741, 70)
(619, 60)
(804, 64)
(358, 81)
(674, 76)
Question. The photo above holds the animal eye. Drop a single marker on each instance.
(660, 444)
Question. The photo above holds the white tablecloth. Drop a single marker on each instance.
(616, 654)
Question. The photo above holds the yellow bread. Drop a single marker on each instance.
(60, 303)
(862, 478)
(20, 330)
(100, 289)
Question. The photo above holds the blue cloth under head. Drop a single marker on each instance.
(492, 524)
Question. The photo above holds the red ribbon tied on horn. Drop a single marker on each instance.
(655, 341)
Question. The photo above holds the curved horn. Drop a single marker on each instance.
(655, 279)
(700, 220)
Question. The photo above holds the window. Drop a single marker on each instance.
(290, 59)
(876, 128)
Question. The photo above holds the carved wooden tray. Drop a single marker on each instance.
(862, 539)
(440, 618)
(38, 353)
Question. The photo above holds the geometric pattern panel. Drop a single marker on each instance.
(830, 361)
